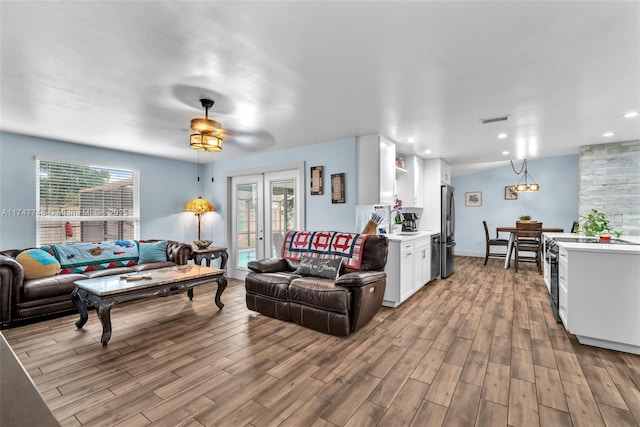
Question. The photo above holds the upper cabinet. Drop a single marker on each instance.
(376, 176)
(436, 173)
(445, 172)
(410, 184)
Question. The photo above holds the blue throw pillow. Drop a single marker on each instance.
(153, 252)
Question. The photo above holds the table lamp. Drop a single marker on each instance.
(198, 206)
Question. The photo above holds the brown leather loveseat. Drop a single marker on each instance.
(284, 288)
(23, 299)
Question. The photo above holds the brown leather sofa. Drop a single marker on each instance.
(22, 299)
(336, 307)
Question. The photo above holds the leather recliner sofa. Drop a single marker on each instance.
(24, 299)
(338, 306)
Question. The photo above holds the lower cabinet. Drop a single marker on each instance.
(408, 269)
(421, 262)
(599, 295)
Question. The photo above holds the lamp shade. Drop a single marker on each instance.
(198, 206)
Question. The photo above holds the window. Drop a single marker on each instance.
(78, 202)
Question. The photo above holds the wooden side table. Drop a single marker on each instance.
(210, 253)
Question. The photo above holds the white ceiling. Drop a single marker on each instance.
(128, 75)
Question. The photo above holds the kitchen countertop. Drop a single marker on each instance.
(21, 404)
(408, 236)
(597, 247)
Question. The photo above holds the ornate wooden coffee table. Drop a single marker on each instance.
(105, 292)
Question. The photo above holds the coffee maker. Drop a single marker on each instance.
(410, 222)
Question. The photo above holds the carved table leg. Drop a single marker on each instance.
(222, 285)
(223, 261)
(81, 307)
(190, 293)
(104, 314)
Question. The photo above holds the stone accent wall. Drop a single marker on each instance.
(610, 182)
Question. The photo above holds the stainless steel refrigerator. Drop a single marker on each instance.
(447, 229)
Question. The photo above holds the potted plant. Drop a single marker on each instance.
(525, 218)
(398, 222)
(596, 223)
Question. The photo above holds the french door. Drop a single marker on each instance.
(264, 207)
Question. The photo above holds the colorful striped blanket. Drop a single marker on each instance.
(325, 244)
(81, 257)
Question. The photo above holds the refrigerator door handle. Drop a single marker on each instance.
(453, 215)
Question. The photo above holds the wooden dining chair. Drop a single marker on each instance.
(529, 239)
(493, 242)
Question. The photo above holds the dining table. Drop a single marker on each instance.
(512, 238)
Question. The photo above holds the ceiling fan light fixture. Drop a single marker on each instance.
(205, 142)
(208, 133)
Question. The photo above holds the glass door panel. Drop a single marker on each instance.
(247, 223)
(283, 216)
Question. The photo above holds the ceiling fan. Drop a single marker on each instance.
(208, 135)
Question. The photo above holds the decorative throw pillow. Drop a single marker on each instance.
(328, 268)
(38, 263)
(153, 252)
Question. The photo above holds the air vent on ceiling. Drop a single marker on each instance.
(495, 119)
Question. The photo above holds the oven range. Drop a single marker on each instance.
(551, 258)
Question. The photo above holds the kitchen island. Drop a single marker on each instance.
(599, 290)
(409, 265)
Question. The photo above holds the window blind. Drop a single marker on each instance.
(78, 202)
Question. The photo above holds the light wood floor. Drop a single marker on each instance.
(479, 348)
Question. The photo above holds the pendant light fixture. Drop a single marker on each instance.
(208, 133)
(524, 187)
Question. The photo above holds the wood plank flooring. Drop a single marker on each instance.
(479, 348)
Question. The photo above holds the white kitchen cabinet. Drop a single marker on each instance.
(563, 288)
(599, 294)
(376, 170)
(436, 173)
(407, 284)
(408, 268)
(410, 184)
(422, 262)
(445, 172)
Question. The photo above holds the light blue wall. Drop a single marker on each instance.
(556, 204)
(165, 186)
(336, 156)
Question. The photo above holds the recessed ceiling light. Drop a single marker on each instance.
(412, 139)
(608, 134)
(427, 151)
(502, 135)
(504, 153)
(630, 114)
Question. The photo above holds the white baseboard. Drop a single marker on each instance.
(473, 254)
(467, 253)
